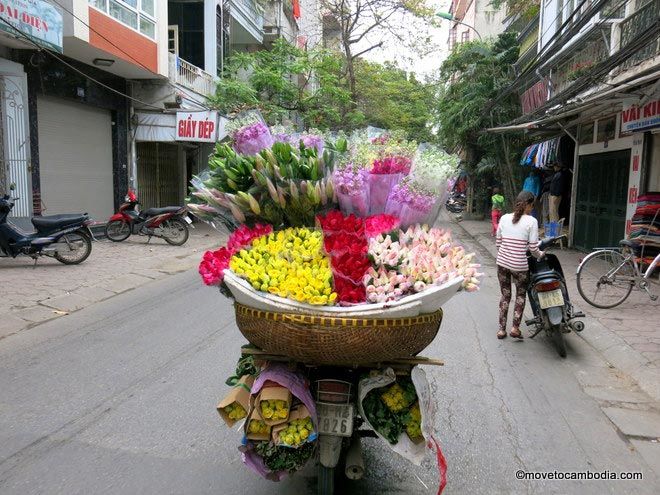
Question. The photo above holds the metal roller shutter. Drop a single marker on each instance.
(75, 158)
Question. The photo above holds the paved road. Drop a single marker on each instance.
(119, 398)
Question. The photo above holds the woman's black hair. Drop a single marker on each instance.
(524, 198)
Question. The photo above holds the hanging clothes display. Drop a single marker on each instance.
(541, 155)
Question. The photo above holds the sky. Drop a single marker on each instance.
(411, 61)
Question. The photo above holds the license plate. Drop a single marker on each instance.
(335, 419)
(187, 219)
(551, 299)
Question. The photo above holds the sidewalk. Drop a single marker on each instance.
(32, 295)
(627, 336)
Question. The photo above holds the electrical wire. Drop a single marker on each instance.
(72, 67)
(169, 83)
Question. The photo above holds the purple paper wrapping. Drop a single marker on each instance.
(357, 204)
(281, 375)
(380, 187)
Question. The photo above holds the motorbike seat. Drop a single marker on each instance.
(627, 243)
(151, 212)
(54, 221)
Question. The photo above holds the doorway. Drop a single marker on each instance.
(600, 205)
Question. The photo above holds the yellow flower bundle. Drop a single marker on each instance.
(395, 399)
(414, 427)
(235, 411)
(258, 427)
(296, 432)
(274, 409)
(288, 263)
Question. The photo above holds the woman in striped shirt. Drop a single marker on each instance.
(516, 233)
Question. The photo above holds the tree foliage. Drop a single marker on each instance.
(284, 82)
(525, 8)
(288, 83)
(391, 98)
(471, 79)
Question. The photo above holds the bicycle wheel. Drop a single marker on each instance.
(605, 278)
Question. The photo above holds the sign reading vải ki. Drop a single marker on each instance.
(635, 118)
(197, 126)
(37, 19)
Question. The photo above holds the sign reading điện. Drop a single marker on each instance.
(635, 118)
(37, 20)
(197, 126)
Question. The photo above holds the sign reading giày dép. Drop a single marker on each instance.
(635, 118)
(197, 126)
(38, 20)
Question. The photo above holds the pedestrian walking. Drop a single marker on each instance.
(497, 207)
(517, 232)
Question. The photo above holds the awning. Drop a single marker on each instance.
(582, 109)
(155, 127)
(542, 154)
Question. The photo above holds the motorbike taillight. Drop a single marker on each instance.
(334, 391)
(547, 286)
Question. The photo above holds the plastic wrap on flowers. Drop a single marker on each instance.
(252, 139)
(411, 203)
(352, 188)
(380, 187)
(297, 385)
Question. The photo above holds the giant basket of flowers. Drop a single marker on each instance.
(337, 340)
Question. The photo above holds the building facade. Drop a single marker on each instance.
(479, 14)
(593, 79)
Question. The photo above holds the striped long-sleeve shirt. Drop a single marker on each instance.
(514, 239)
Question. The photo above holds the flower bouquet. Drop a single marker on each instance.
(411, 203)
(352, 188)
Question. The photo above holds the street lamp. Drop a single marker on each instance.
(450, 17)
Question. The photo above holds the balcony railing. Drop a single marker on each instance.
(635, 25)
(191, 76)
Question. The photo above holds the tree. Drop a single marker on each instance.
(285, 82)
(309, 86)
(364, 25)
(391, 98)
(471, 78)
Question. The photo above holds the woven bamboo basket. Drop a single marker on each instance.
(337, 341)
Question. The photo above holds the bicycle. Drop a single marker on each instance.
(613, 272)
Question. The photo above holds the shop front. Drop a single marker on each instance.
(170, 148)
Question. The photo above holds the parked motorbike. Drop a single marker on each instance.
(169, 223)
(549, 299)
(456, 203)
(66, 238)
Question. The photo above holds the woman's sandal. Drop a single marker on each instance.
(501, 334)
(516, 335)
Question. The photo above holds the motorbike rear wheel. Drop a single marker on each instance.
(558, 338)
(177, 231)
(117, 230)
(326, 482)
(81, 248)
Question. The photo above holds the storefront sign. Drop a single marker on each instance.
(39, 20)
(635, 118)
(197, 126)
(634, 178)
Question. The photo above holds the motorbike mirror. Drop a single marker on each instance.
(12, 186)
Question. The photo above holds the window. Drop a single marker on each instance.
(606, 129)
(137, 14)
(587, 133)
(465, 36)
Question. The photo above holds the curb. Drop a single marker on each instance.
(608, 344)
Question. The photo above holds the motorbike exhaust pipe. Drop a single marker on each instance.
(354, 460)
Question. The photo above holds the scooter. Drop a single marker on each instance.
(456, 203)
(66, 238)
(549, 299)
(169, 223)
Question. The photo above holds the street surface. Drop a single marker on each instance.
(120, 398)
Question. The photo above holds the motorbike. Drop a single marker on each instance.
(66, 238)
(340, 424)
(549, 299)
(456, 203)
(169, 223)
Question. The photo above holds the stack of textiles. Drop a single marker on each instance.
(645, 229)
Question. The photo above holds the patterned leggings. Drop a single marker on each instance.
(521, 279)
